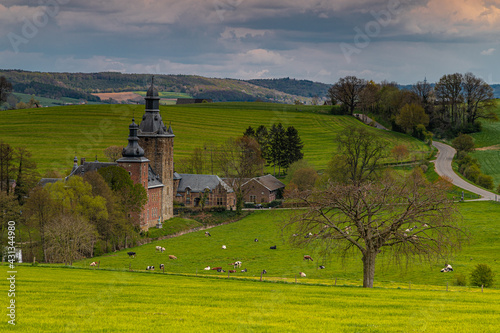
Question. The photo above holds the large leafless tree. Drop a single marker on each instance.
(347, 91)
(403, 217)
(240, 159)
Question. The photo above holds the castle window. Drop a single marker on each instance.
(219, 201)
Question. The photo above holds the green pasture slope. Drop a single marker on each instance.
(76, 300)
(196, 251)
(489, 137)
(55, 135)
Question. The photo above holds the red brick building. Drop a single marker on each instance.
(262, 189)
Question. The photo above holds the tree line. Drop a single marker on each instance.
(455, 104)
(71, 218)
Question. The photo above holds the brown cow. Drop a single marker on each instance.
(172, 257)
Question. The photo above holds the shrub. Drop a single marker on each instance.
(461, 280)
(485, 181)
(472, 173)
(482, 275)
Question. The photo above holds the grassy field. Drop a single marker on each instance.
(75, 300)
(489, 158)
(55, 135)
(196, 251)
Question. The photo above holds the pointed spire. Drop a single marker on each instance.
(133, 149)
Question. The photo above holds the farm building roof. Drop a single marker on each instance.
(198, 183)
(270, 182)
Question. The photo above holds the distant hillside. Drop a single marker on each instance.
(83, 85)
(294, 87)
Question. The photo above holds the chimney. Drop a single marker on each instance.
(82, 160)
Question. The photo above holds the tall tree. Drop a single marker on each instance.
(293, 147)
(277, 146)
(410, 116)
(240, 159)
(347, 91)
(113, 153)
(5, 89)
(449, 95)
(358, 158)
(478, 98)
(407, 217)
(6, 166)
(39, 208)
(26, 174)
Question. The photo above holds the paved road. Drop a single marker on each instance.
(443, 168)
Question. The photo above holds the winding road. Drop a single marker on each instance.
(443, 168)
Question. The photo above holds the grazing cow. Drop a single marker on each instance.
(264, 271)
(172, 257)
(236, 264)
(150, 268)
(220, 270)
(232, 271)
(294, 235)
(273, 247)
(308, 235)
(321, 267)
(223, 247)
(207, 268)
(306, 257)
(425, 225)
(216, 268)
(302, 274)
(158, 248)
(447, 269)
(93, 263)
(244, 270)
(207, 234)
(131, 254)
(162, 249)
(255, 240)
(162, 266)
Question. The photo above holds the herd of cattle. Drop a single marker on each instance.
(237, 264)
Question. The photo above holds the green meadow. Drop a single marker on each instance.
(50, 299)
(488, 140)
(195, 251)
(55, 135)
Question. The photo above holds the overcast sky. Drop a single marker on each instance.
(319, 40)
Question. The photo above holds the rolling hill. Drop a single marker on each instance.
(60, 133)
(86, 85)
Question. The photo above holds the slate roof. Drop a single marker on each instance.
(152, 125)
(270, 182)
(88, 167)
(198, 183)
(153, 179)
(45, 181)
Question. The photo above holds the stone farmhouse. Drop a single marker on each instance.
(192, 189)
(262, 189)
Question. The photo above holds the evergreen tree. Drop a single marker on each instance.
(249, 132)
(293, 147)
(262, 137)
(277, 145)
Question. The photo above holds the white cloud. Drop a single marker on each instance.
(261, 56)
(488, 52)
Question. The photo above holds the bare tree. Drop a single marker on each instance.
(113, 153)
(240, 159)
(403, 217)
(69, 238)
(347, 91)
(5, 89)
(478, 96)
(359, 156)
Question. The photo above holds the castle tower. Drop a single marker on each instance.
(158, 144)
(135, 163)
